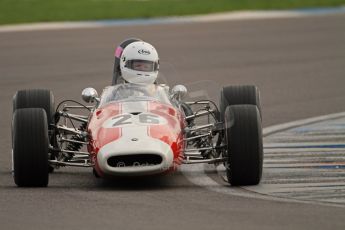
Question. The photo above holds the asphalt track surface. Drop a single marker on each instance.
(298, 63)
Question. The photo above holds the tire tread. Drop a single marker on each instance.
(30, 147)
(244, 141)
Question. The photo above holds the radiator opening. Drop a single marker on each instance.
(134, 160)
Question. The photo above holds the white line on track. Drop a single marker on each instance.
(281, 127)
(324, 187)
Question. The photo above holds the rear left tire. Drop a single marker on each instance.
(239, 95)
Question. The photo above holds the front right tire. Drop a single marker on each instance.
(30, 147)
(37, 98)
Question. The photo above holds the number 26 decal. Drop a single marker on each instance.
(127, 119)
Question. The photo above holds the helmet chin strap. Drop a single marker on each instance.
(122, 79)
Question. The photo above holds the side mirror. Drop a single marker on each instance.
(178, 92)
(89, 95)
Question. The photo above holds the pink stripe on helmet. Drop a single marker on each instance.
(118, 52)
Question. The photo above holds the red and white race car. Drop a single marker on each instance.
(136, 130)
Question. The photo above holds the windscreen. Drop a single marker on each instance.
(134, 92)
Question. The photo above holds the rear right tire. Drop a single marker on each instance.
(30, 147)
(35, 98)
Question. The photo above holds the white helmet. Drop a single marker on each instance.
(139, 63)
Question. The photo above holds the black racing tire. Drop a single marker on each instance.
(243, 134)
(30, 147)
(238, 95)
(35, 98)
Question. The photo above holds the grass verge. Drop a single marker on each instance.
(26, 11)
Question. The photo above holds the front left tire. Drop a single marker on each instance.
(243, 134)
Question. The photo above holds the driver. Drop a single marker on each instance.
(139, 63)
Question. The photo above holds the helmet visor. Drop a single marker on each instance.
(142, 65)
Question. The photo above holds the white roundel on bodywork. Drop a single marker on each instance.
(139, 53)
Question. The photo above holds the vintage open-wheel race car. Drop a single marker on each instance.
(137, 130)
